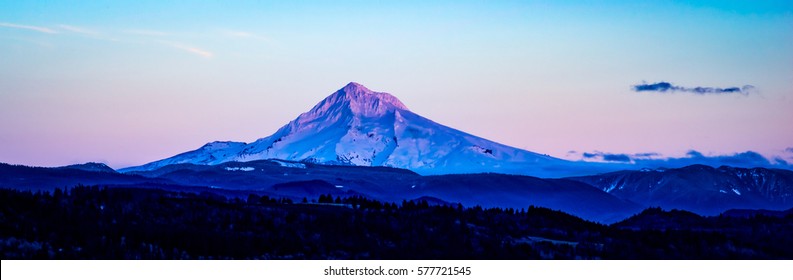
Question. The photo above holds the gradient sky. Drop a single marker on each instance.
(127, 83)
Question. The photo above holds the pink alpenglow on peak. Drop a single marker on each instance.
(360, 101)
(358, 126)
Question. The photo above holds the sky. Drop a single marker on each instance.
(130, 82)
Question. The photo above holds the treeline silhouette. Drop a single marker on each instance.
(133, 223)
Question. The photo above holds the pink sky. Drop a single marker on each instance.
(125, 88)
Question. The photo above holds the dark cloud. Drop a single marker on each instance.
(624, 158)
(745, 157)
(617, 157)
(646, 155)
(695, 154)
(664, 87)
(789, 150)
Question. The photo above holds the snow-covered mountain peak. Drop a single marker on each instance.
(358, 126)
(356, 87)
(360, 101)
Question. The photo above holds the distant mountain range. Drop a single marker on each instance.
(606, 198)
(357, 126)
(700, 188)
(297, 180)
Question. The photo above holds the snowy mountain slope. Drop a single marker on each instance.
(209, 154)
(357, 126)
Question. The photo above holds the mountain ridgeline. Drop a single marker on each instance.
(604, 198)
(297, 180)
(699, 188)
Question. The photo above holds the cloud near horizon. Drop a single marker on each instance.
(666, 87)
(607, 157)
(624, 158)
(746, 159)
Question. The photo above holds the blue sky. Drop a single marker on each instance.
(127, 82)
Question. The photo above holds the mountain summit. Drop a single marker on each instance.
(360, 101)
(358, 126)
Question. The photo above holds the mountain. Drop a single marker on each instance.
(46, 179)
(91, 166)
(699, 188)
(659, 219)
(357, 126)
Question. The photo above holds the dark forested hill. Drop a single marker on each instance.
(137, 223)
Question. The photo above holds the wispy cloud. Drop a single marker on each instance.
(76, 29)
(666, 87)
(28, 27)
(193, 50)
